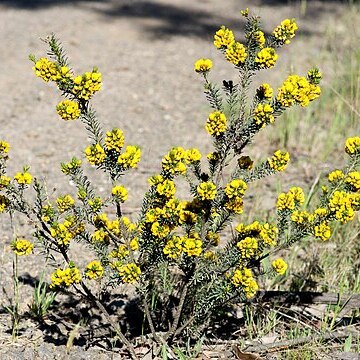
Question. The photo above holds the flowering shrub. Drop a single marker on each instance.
(179, 255)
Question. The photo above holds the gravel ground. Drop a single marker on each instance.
(146, 51)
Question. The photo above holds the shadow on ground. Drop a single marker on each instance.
(161, 19)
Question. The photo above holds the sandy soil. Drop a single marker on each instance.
(146, 51)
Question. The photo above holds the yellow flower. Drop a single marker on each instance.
(166, 188)
(299, 90)
(248, 247)
(131, 157)
(223, 37)
(95, 154)
(243, 277)
(236, 53)
(115, 139)
(269, 233)
(174, 247)
(285, 201)
(285, 31)
(87, 84)
(266, 58)
(65, 202)
(216, 123)
(65, 277)
(61, 233)
(265, 92)
(68, 110)
(22, 247)
(94, 270)
(23, 178)
(336, 175)
(47, 70)
(353, 179)
(352, 145)
(235, 204)
(259, 37)
(206, 190)
(192, 155)
(120, 193)
(279, 160)
(203, 65)
(264, 114)
(322, 231)
(235, 188)
(4, 147)
(129, 273)
(192, 245)
(280, 266)
(173, 161)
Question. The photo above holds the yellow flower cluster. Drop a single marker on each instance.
(87, 84)
(22, 247)
(352, 145)
(192, 155)
(297, 89)
(216, 123)
(297, 216)
(65, 277)
(64, 232)
(293, 198)
(68, 109)
(265, 232)
(259, 37)
(343, 205)
(95, 203)
(223, 38)
(280, 266)
(235, 188)
(236, 53)
(266, 58)
(166, 188)
(95, 154)
(243, 277)
(129, 273)
(65, 202)
(174, 161)
(279, 160)
(177, 245)
(94, 270)
(48, 70)
(248, 247)
(285, 31)
(322, 231)
(130, 158)
(335, 176)
(23, 178)
(119, 193)
(203, 65)
(115, 139)
(4, 181)
(264, 114)
(265, 92)
(353, 179)
(4, 147)
(206, 190)
(234, 192)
